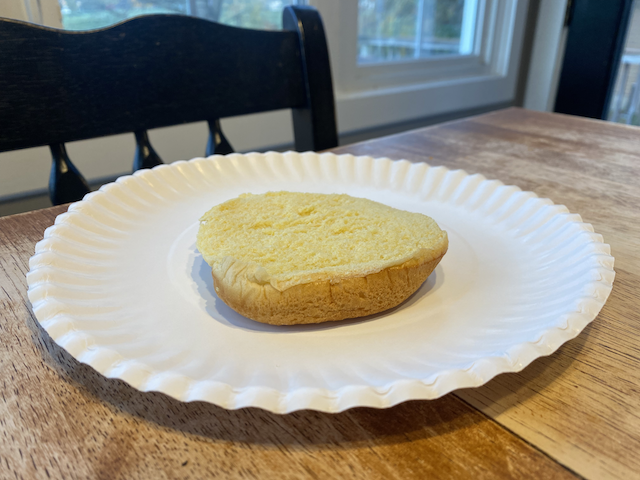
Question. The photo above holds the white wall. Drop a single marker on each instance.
(13, 10)
(37, 11)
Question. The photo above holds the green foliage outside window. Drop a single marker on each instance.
(389, 29)
(397, 18)
(89, 14)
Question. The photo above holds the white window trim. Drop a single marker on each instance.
(370, 104)
(487, 78)
(375, 75)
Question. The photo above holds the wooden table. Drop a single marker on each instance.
(573, 414)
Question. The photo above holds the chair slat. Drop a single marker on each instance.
(66, 183)
(218, 143)
(145, 156)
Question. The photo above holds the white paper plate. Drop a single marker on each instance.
(118, 282)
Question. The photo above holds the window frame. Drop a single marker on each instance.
(404, 91)
(358, 76)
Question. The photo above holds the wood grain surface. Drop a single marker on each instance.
(581, 405)
(574, 413)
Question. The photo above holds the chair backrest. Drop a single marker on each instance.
(154, 71)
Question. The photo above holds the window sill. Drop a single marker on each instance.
(378, 107)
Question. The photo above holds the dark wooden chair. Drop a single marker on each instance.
(60, 86)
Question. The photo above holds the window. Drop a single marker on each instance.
(398, 60)
(404, 29)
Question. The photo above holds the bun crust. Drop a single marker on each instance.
(288, 258)
(325, 301)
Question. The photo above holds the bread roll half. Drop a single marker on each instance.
(287, 258)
